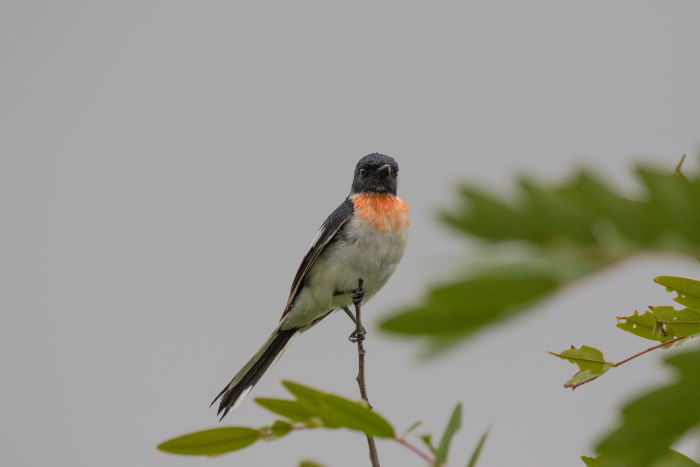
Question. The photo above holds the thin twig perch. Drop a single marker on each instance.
(359, 336)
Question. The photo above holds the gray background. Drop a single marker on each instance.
(164, 166)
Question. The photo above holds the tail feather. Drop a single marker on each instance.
(251, 373)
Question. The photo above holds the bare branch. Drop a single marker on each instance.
(663, 344)
(359, 337)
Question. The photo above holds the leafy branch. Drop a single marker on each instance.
(313, 409)
(652, 422)
(545, 238)
(661, 323)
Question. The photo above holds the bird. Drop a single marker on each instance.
(363, 238)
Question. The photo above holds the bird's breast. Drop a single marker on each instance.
(372, 243)
(381, 211)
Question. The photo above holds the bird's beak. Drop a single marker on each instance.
(384, 170)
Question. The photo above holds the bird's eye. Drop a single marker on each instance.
(363, 172)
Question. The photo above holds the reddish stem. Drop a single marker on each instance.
(417, 451)
(663, 344)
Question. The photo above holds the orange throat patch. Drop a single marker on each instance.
(384, 212)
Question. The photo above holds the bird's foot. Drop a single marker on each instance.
(357, 335)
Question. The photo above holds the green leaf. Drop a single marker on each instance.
(590, 461)
(627, 216)
(437, 345)
(673, 202)
(465, 306)
(477, 450)
(688, 290)
(553, 208)
(336, 411)
(428, 441)
(654, 421)
(211, 442)
(688, 301)
(357, 416)
(486, 216)
(410, 429)
(561, 232)
(663, 323)
(590, 362)
(312, 400)
(581, 377)
(679, 323)
(643, 325)
(293, 410)
(453, 424)
(675, 459)
(308, 463)
(587, 358)
(309, 397)
(669, 459)
(280, 428)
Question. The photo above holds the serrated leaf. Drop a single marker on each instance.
(552, 207)
(357, 416)
(644, 325)
(586, 358)
(590, 362)
(582, 220)
(679, 323)
(682, 285)
(486, 216)
(467, 305)
(688, 301)
(688, 290)
(581, 377)
(674, 202)
(626, 215)
(293, 410)
(477, 450)
(453, 424)
(211, 442)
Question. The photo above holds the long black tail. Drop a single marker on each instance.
(245, 379)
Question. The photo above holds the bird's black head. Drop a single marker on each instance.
(376, 173)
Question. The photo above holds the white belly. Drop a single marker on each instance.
(364, 253)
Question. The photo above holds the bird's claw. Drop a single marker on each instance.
(357, 335)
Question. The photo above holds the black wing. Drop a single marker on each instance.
(325, 235)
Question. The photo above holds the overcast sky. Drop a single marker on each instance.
(165, 165)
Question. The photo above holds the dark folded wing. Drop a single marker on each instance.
(324, 236)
